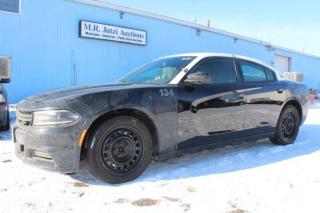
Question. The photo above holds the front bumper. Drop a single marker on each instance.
(53, 148)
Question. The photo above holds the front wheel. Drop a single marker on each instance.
(287, 127)
(120, 150)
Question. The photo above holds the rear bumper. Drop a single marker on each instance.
(53, 148)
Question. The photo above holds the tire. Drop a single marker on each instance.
(6, 125)
(287, 127)
(120, 149)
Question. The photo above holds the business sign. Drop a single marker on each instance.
(112, 33)
(12, 6)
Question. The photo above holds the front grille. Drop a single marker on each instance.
(24, 118)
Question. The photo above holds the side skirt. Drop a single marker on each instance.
(214, 145)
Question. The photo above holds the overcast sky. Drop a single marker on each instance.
(289, 23)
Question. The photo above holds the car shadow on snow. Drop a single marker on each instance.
(228, 159)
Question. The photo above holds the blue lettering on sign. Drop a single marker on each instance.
(87, 26)
(91, 27)
(96, 28)
(109, 30)
(131, 34)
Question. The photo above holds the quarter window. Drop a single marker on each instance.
(252, 72)
(270, 75)
(219, 70)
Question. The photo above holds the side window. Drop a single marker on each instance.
(270, 75)
(252, 72)
(219, 70)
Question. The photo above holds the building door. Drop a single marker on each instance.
(282, 63)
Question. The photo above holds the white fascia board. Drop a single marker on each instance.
(119, 8)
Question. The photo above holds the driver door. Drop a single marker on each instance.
(214, 111)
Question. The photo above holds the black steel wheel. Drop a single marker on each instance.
(288, 126)
(120, 150)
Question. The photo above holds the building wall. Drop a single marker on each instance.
(47, 52)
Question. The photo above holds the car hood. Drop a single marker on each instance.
(73, 92)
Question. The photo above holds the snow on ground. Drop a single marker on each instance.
(252, 177)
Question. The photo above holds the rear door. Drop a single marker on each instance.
(263, 97)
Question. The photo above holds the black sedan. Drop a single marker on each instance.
(175, 104)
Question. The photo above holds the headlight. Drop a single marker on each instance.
(2, 98)
(53, 117)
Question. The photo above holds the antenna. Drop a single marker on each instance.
(209, 23)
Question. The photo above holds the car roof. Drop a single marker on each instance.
(209, 54)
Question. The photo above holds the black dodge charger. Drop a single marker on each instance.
(175, 104)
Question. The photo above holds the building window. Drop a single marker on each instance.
(11, 6)
(5, 69)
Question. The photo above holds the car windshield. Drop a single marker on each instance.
(162, 70)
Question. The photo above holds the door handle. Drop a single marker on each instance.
(240, 96)
(236, 97)
(279, 91)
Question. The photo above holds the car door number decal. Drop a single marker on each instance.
(166, 92)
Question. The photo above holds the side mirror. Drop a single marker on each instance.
(197, 78)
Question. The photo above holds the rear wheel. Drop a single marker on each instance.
(120, 150)
(287, 127)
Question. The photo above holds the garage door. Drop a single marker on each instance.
(282, 63)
